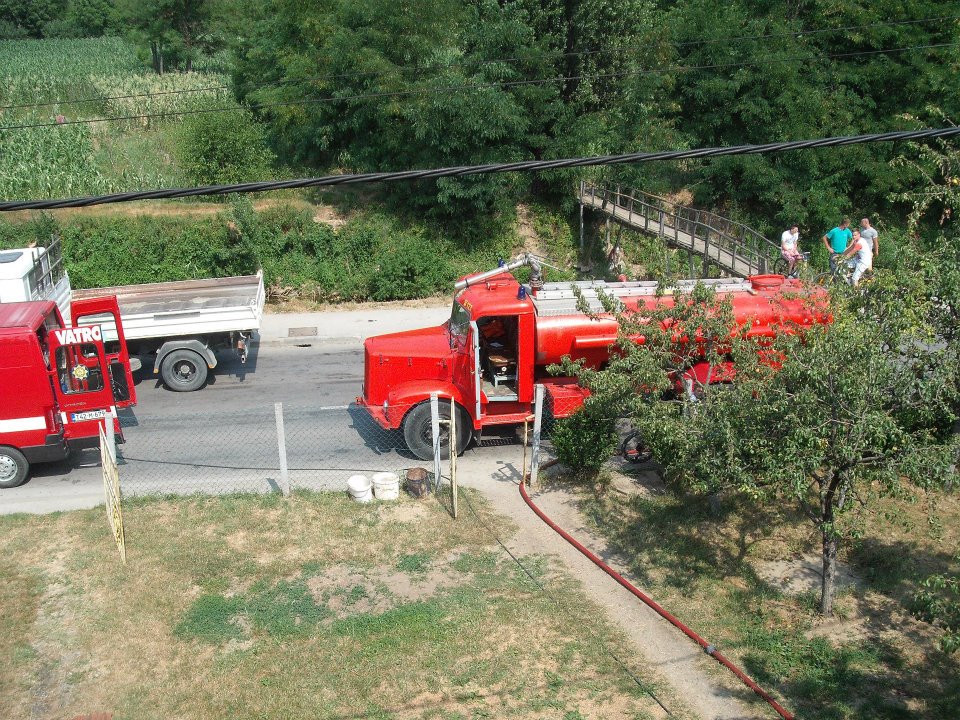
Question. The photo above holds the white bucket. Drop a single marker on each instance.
(358, 486)
(386, 485)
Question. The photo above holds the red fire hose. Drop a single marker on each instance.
(651, 603)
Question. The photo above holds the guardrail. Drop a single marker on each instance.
(733, 247)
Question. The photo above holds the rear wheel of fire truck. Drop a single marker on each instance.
(183, 371)
(418, 430)
(13, 467)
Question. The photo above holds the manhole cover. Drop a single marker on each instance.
(302, 332)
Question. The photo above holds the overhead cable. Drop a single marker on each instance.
(473, 170)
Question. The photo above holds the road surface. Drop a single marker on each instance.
(223, 438)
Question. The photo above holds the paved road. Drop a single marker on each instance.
(223, 437)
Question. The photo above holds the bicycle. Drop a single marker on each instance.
(781, 265)
(634, 450)
(842, 273)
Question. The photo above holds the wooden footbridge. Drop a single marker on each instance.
(732, 247)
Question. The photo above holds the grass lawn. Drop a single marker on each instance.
(260, 607)
(724, 574)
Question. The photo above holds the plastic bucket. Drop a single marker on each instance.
(358, 487)
(386, 486)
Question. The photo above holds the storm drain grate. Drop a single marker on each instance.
(302, 332)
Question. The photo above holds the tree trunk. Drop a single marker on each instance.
(155, 57)
(829, 572)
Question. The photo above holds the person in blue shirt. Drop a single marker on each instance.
(837, 240)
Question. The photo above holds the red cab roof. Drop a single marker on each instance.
(23, 315)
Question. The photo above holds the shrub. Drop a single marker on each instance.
(409, 270)
(585, 440)
(224, 147)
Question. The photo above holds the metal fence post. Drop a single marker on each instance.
(435, 427)
(453, 455)
(537, 423)
(282, 445)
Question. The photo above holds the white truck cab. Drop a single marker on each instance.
(33, 274)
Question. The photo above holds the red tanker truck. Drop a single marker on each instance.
(502, 335)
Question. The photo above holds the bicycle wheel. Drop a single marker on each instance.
(780, 266)
(633, 449)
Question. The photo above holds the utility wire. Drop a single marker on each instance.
(417, 70)
(487, 169)
(476, 86)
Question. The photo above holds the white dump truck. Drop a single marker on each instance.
(175, 325)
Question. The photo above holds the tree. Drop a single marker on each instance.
(28, 19)
(829, 416)
(425, 83)
(224, 147)
(175, 30)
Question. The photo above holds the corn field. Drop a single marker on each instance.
(95, 157)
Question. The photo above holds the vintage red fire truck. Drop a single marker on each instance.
(502, 336)
(58, 384)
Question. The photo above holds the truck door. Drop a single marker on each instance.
(466, 371)
(81, 381)
(105, 313)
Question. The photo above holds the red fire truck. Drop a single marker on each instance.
(58, 384)
(502, 335)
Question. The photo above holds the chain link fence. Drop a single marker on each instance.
(216, 452)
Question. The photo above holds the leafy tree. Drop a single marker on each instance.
(176, 31)
(223, 147)
(28, 19)
(830, 418)
(446, 83)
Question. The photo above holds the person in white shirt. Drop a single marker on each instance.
(869, 233)
(789, 250)
(863, 261)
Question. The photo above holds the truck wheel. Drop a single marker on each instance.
(418, 431)
(183, 371)
(13, 467)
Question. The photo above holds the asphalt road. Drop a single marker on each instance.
(223, 438)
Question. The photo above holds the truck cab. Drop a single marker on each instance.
(58, 383)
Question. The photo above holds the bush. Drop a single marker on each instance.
(224, 147)
(407, 271)
(585, 440)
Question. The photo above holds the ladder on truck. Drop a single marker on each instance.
(560, 298)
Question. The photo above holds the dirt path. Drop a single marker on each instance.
(709, 691)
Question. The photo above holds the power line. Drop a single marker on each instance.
(427, 68)
(473, 170)
(479, 86)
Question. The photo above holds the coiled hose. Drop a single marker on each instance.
(653, 605)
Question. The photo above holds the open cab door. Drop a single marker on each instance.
(80, 377)
(103, 312)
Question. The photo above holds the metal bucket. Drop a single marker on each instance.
(418, 482)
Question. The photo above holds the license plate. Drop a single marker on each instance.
(89, 415)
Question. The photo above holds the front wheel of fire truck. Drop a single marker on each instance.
(13, 467)
(418, 430)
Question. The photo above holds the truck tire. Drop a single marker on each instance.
(183, 371)
(13, 467)
(418, 431)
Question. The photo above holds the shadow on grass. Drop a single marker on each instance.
(893, 670)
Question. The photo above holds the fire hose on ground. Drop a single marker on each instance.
(708, 648)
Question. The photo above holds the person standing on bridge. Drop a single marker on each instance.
(789, 250)
(836, 242)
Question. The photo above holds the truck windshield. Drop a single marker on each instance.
(459, 321)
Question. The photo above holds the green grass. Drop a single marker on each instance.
(701, 566)
(245, 606)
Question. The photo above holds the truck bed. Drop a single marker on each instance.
(187, 307)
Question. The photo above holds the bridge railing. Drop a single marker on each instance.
(733, 246)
